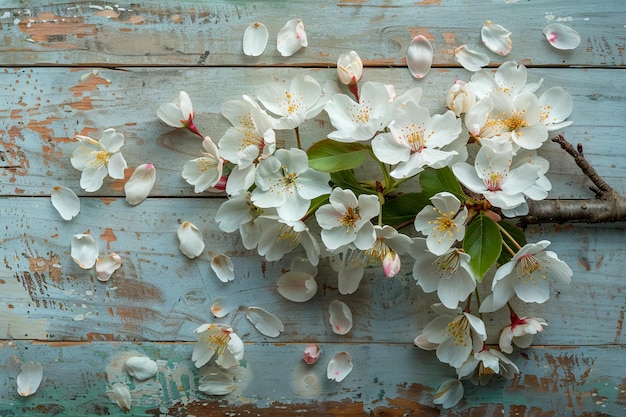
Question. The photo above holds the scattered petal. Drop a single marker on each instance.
(140, 184)
(311, 353)
(255, 39)
(469, 59)
(215, 381)
(419, 56)
(297, 286)
(223, 267)
(84, 250)
(29, 379)
(121, 395)
(264, 321)
(141, 367)
(105, 267)
(449, 393)
(496, 38)
(65, 202)
(190, 237)
(221, 307)
(561, 36)
(339, 366)
(291, 38)
(340, 317)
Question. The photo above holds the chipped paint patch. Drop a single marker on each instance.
(53, 30)
(14, 325)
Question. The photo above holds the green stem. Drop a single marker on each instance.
(298, 137)
(480, 315)
(511, 251)
(507, 234)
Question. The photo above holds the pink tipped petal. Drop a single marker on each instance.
(121, 395)
(561, 36)
(223, 267)
(340, 317)
(419, 56)
(29, 379)
(291, 38)
(297, 286)
(311, 354)
(469, 59)
(84, 250)
(215, 381)
(139, 185)
(339, 366)
(221, 307)
(190, 237)
(106, 266)
(255, 39)
(65, 202)
(265, 322)
(496, 38)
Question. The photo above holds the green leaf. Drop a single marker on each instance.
(516, 233)
(483, 243)
(330, 156)
(403, 208)
(347, 180)
(434, 181)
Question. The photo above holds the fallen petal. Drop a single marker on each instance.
(190, 237)
(339, 366)
(106, 266)
(223, 267)
(561, 36)
(139, 185)
(419, 56)
(469, 59)
(221, 307)
(496, 38)
(121, 395)
(141, 367)
(291, 38)
(340, 317)
(311, 354)
(255, 39)
(215, 381)
(449, 393)
(65, 202)
(29, 379)
(84, 250)
(264, 321)
(297, 286)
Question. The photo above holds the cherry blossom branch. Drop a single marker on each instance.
(608, 206)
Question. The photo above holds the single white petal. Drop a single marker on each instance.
(339, 366)
(496, 38)
(84, 250)
(311, 354)
(449, 393)
(29, 379)
(190, 237)
(264, 321)
(141, 367)
(340, 317)
(297, 286)
(291, 38)
(139, 185)
(121, 395)
(223, 267)
(221, 307)
(419, 56)
(255, 39)
(116, 166)
(470, 60)
(561, 36)
(215, 381)
(105, 267)
(65, 202)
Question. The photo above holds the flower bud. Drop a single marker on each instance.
(460, 98)
(349, 68)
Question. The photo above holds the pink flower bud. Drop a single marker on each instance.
(311, 354)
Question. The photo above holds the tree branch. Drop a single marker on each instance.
(608, 206)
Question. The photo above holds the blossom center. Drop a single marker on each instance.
(350, 218)
(457, 329)
(493, 181)
(444, 224)
(291, 105)
(289, 179)
(205, 164)
(219, 340)
(363, 113)
(527, 267)
(288, 235)
(448, 264)
(102, 157)
(515, 121)
(415, 137)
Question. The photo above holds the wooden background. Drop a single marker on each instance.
(73, 67)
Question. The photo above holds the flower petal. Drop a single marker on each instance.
(419, 56)
(311, 354)
(221, 307)
(496, 38)
(121, 395)
(264, 321)
(190, 237)
(106, 266)
(340, 317)
(297, 286)
(223, 267)
(65, 202)
(255, 39)
(84, 250)
(449, 393)
(291, 38)
(139, 185)
(29, 379)
(141, 367)
(561, 36)
(470, 60)
(215, 381)
(339, 366)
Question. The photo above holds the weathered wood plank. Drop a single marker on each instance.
(45, 108)
(187, 32)
(78, 377)
(161, 295)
